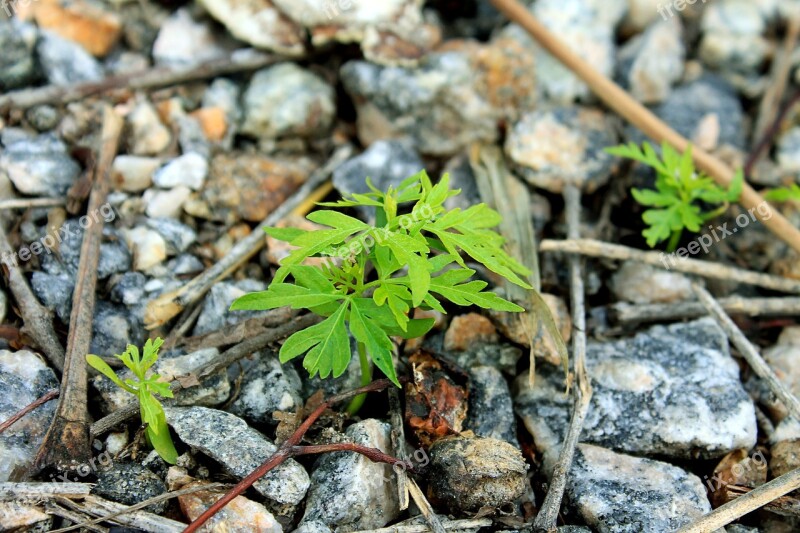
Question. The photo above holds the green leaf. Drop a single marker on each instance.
(160, 387)
(736, 186)
(101, 366)
(150, 350)
(327, 344)
(652, 198)
(379, 346)
(784, 194)
(159, 436)
(285, 234)
(471, 293)
(398, 298)
(284, 294)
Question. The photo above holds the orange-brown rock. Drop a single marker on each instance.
(468, 330)
(213, 121)
(88, 24)
(239, 516)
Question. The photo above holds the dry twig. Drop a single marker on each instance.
(122, 514)
(623, 103)
(548, 515)
(67, 441)
(707, 269)
(28, 408)
(27, 203)
(10, 491)
(468, 524)
(626, 313)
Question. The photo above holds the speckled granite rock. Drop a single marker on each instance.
(130, 483)
(18, 62)
(24, 377)
(239, 449)
(651, 63)
(672, 391)
(39, 166)
(616, 493)
(348, 491)
(268, 386)
(491, 411)
(643, 284)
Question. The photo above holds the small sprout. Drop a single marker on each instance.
(145, 389)
(680, 189)
(404, 261)
(784, 194)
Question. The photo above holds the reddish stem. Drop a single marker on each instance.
(28, 408)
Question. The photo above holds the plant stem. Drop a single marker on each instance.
(366, 378)
(674, 240)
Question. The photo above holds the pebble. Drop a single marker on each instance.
(241, 515)
(348, 491)
(788, 155)
(96, 29)
(672, 391)
(645, 284)
(113, 328)
(650, 64)
(65, 62)
(239, 449)
(185, 264)
(312, 526)
(641, 13)
(189, 169)
(184, 41)
(617, 493)
(268, 386)
(133, 173)
(43, 117)
(149, 247)
(129, 484)
(18, 62)
(215, 314)
(114, 255)
(247, 186)
(24, 377)
(177, 235)
(782, 358)
(491, 410)
(733, 36)
(563, 145)
(259, 24)
(55, 292)
(148, 136)
(468, 330)
(286, 100)
(39, 166)
(468, 474)
(166, 204)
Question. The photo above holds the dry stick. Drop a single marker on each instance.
(707, 269)
(224, 360)
(398, 445)
(623, 103)
(19, 491)
(38, 319)
(425, 507)
(287, 448)
(67, 440)
(239, 61)
(72, 516)
(94, 505)
(26, 203)
(28, 408)
(739, 507)
(166, 306)
(749, 352)
(468, 524)
(548, 515)
(629, 313)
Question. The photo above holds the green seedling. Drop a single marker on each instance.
(784, 194)
(384, 271)
(145, 388)
(680, 191)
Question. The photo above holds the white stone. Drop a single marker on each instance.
(166, 204)
(189, 169)
(149, 248)
(133, 173)
(148, 136)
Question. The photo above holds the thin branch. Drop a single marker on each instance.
(28, 408)
(72, 516)
(284, 452)
(593, 248)
(223, 361)
(547, 517)
(435, 525)
(239, 61)
(749, 352)
(373, 454)
(27, 203)
(94, 505)
(626, 313)
(162, 309)
(67, 440)
(37, 318)
(739, 507)
(469, 524)
(10, 491)
(616, 98)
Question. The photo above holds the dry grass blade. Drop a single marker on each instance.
(626, 106)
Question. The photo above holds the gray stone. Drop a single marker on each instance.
(240, 449)
(193, 142)
(789, 152)
(114, 255)
(348, 491)
(287, 101)
(55, 292)
(65, 62)
(733, 36)
(672, 391)
(185, 264)
(385, 163)
(129, 288)
(43, 117)
(113, 328)
(468, 474)
(563, 145)
(18, 62)
(183, 41)
(616, 493)
(312, 526)
(268, 386)
(215, 314)
(491, 410)
(129, 484)
(645, 284)
(649, 64)
(24, 377)
(39, 166)
(177, 235)
(189, 169)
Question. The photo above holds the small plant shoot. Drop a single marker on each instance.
(145, 388)
(677, 201)
(784, 194)
(383, 272)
